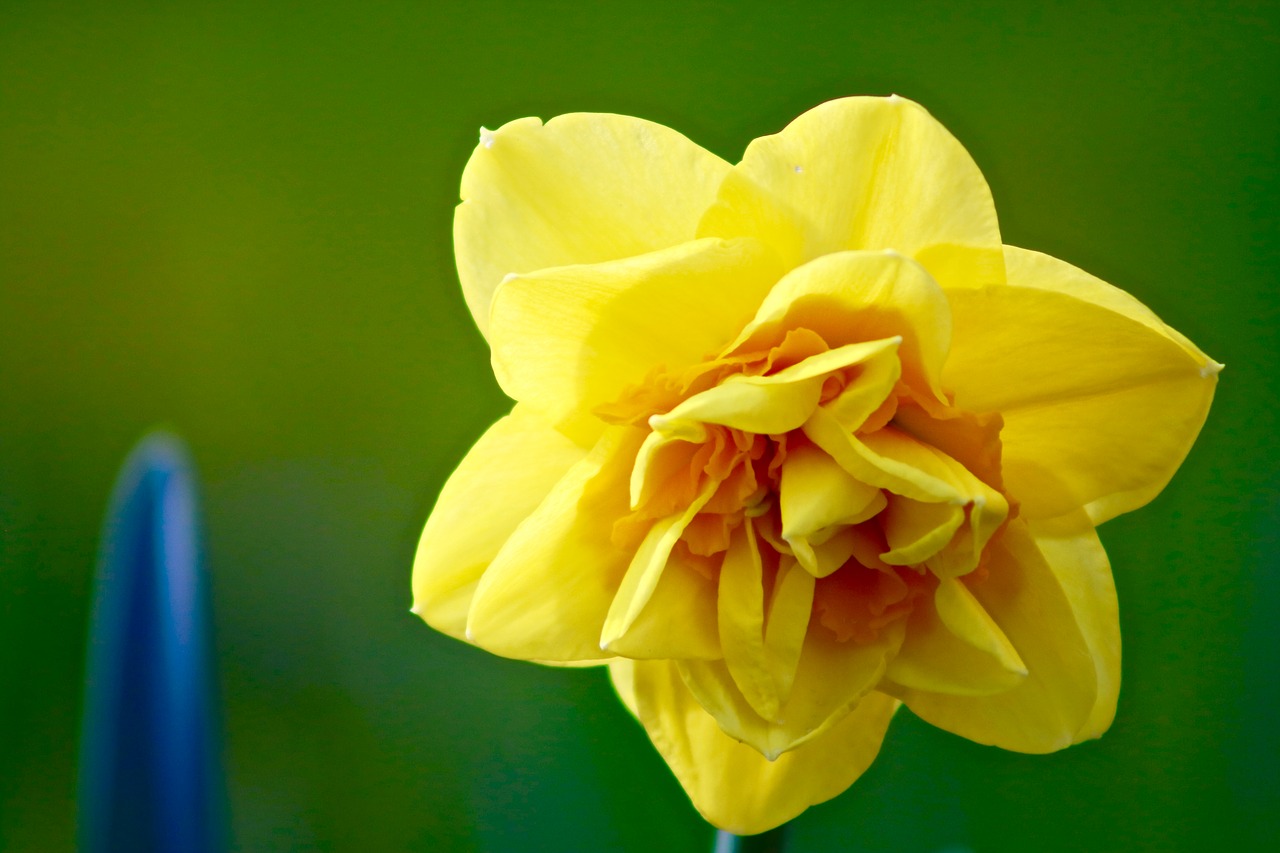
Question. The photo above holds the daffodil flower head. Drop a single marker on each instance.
(796, 441)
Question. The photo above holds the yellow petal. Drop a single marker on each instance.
(958, 265)
(976, 660)
(501, 481)
(732, 785)
(741, 618)
(1049, 708)
(645, 570)
(582, 189)
(862, 173)
(678, 621)
(1101, 402)
(1071, 548)
(790, 609)
(663, 455)
(986, 509)
(547, 591)
(748, 403)
(916, 530)
(568, 339)
(896, 462)
(830, 679)
(855, 297)
(815, 493)
(965, 617)
(866, 392)
(772, 404)
(828, 551)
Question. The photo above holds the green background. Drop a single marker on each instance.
(234, 220)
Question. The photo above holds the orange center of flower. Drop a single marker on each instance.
(876, 488)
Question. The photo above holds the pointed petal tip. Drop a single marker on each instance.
(1211, 368)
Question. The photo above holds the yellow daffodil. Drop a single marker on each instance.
(796, 441)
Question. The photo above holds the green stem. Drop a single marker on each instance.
(773, 841)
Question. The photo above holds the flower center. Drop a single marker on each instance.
(817, 457)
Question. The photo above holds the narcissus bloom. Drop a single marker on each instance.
(796, 441)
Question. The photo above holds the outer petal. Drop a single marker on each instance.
(1070, 546)
(547, 591)
(500, 482)
(731, 784)
(566, 340)
(1101, 402)
(864, 173)
(584, 188)
(1053, 706)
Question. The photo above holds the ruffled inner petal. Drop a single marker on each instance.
(679, 619)
(646, 569)
(853, 297)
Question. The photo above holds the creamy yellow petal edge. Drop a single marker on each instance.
(581, 189)
(732, 785)
(1101, 401)
(504, 477)
(864, 173)
(546, 593)
(568, 339)
(1055, 705)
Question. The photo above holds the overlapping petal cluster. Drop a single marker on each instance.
(796, 441)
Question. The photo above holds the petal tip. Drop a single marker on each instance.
(1210, 369)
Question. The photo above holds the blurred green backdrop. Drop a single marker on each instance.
(234, 219)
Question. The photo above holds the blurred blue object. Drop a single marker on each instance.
(150, 764)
